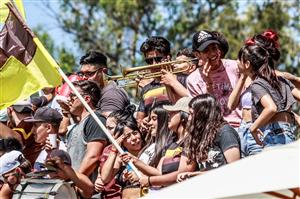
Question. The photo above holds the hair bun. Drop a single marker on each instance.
(130, 109)
(272, 36)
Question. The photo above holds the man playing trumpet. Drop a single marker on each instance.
(161, 90)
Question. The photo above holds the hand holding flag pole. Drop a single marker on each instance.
(49, 62)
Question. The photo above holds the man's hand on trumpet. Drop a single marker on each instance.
(168, 78)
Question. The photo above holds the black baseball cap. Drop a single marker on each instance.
(45, 114)
(203, 39)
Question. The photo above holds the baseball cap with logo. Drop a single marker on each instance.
(181, 105)
(202, 39)
(10, 160)
(45, 114)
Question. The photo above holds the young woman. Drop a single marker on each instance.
(166, 171)
(159, 134)
(132, 141)
(272, 95)
(112, 189)
(211, 141)
(241, 95)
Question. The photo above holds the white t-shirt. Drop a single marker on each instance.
(148, 154)
(43, 156)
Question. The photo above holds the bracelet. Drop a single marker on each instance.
(114, 150)
(149, 183)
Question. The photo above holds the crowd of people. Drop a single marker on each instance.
(216, 111)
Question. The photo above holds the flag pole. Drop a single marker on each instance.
(53, 63)
(88, 108)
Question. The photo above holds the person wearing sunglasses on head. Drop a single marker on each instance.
(94, 67)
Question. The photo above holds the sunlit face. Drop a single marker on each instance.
(40, 131)
(174, 122)
(111, 124)
(133, 140)
(212, 54)
(76, 107)
(153, 123)
(244, 67)
(92, 72)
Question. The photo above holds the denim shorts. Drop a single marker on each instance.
(248, 143)
(279, 133)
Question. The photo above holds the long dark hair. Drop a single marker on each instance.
(132, 124)
(162, 137)
(126, 114)
(262, 52)
(207, 119)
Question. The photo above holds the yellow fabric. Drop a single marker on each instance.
(18, 82)
(25, 135)
(155, 92)
(173, 152)
(3, 11)
(19, 4)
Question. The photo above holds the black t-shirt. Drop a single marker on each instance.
(227, 138)
(283, 99)
(92, 130)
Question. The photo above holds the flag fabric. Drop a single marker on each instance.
(25, 65)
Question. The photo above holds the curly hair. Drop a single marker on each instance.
(207, 119)
(157, 43)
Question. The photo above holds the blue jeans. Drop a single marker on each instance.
(279, 133)
(248, 143)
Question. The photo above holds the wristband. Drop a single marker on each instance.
(149, 183)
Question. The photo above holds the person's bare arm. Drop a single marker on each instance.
(232, 154)
(294, 79)
(5, 132)
(90, 160)
(234, 98)
(110, 167)
(296, 93)
(268, 112)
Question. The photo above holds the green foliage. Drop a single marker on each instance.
(118, 27)
(64, 58)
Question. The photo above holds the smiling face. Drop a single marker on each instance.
(212, 54)
(133, 141)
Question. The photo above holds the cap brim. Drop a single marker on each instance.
(207, 43)
(22, 108)
(5, 169)
(31, 120)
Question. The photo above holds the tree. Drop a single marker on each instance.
(65, 59)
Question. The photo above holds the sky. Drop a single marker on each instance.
(38, 14)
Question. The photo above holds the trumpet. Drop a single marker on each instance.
(129, 75)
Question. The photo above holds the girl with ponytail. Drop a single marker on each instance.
(272, 96)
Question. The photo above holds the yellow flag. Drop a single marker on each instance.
(25, 65)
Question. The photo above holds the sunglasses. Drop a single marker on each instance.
(87, 73)
(151, 60)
